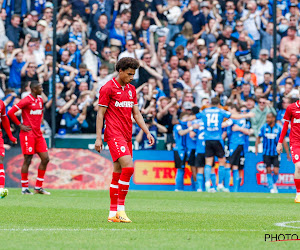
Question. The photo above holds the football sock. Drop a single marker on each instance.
(221, 174)
(270, 181)
(236, 179)
(179, 179)
(200, 180)
(2, 176)
(275, 178)
(40, 178)
(193, 183)
(213, 179)
(113, 193)
(240, 181)
(227, 178)
(297, 184)
(24, 181)
(124, 184)
(207, 171)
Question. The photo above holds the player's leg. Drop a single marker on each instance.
(3, 191)
(275, 172)
(221, 173)
(126, 173)
(213, 179)
(227, 177)
(235, 177)
(269, 178)
(180, 158)
(113, 191)
(44, 156)
(207, 172)
(24, 174)
(200, 163)
(295, 151)
(191, 163)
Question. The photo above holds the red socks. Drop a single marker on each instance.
(297, 183)
(124, 184)
(113, 191)
(2, 176)
(40, 178)
(24, 180)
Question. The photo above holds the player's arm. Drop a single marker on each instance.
(140, 121)
(256, 144)
(227, 123)
(245, 131)
(287, 150)
(6, 126)
(13, 117)
(282, 135)
(241, 116)
(99, 127)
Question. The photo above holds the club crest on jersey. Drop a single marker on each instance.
(130, 93)
(36, 112)
(123, 149)
(124, 104)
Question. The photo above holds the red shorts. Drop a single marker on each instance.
(295, 151)
(31, 145)
(119, 147)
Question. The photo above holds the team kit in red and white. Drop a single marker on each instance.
(32, 141)
(119, 102)
(6, 125)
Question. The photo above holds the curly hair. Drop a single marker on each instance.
(127, 63)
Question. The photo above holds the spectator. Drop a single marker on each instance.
(13, 30)
(262, 66)
(290, 44)
(75, 121)
(264, 107)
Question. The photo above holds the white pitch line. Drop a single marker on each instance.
(286, 224)
(132, 230)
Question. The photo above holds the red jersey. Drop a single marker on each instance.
(292, 114)
(32, 114)
(119, 102)
(2, 111)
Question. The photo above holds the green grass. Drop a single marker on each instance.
(161, 220)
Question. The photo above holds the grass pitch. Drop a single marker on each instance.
(161, 220)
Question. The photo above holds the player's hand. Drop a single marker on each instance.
(13, 140)
(256, 150)
(279, 148)
(235, 127)
(150, 139)
(25, 128)
(98, 145)
(288, 156)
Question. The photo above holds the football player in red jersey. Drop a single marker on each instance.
(31, 136)
(292, 115)
(6, 125)
(117, 102)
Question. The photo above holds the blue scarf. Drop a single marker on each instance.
(73, 38)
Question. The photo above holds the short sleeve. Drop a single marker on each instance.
(178, 127)
(288, 114)
(3, 113)
(23, 103)
(104, 96)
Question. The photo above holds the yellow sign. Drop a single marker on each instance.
(158, 173)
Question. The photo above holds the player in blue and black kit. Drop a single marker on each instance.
(270, 132)
(212, 118)
(237, 138)
(180, 150)
(200, 155)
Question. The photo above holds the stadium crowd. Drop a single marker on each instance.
(189, 53)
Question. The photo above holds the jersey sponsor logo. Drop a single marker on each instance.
(36, 112)
(270, 136)
(296, 120)
(119, 93)
(124, 104)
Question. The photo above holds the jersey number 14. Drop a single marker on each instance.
(212, 119)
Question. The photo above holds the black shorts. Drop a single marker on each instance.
(200, 161)
(242, 162)
(192, 158)
(179, 161)
(234, 159)
(271, 160)
(214, 148)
